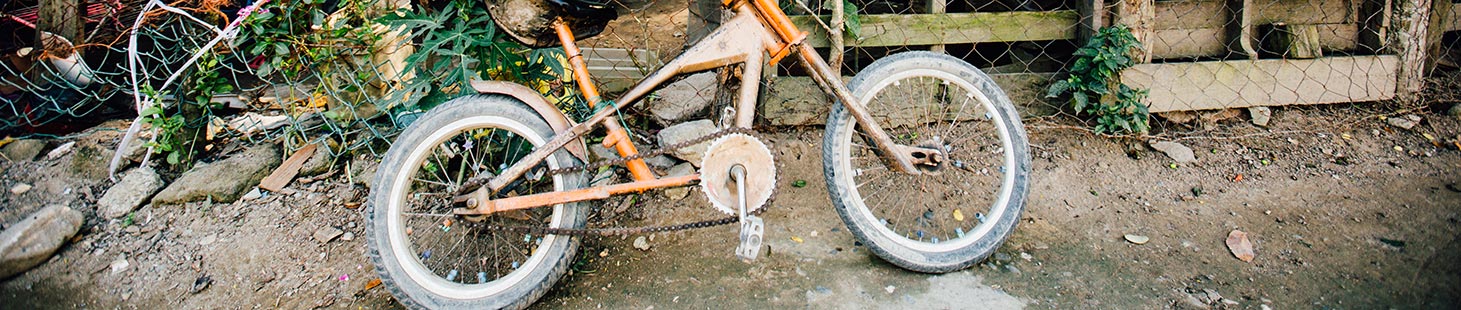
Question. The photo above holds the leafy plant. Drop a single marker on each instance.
(460, 43)
(180, 127)
(1095, 86)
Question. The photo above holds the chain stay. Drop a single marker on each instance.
(475, 183)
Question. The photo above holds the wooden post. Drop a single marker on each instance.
(937, 7)
(1441, 18)
(1093, 17)
(1292, 41)
(839, 23)
(1240, 28)
(1140, 17)
(1375, 25)
(1411, 35)
(63, 18)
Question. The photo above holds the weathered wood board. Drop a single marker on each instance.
(617, 69)
(797, 101)
(1268, 82)
(1197, 28)
(952, 28)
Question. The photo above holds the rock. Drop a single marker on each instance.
(23, 150)
(1261, 115)
(210, 239)
(683, 169)
(1137, 239)
(317, 164)
(1455, 110)
(348, 236)
(327, 233)
(1240, 246)
(225, 180)
(1177, 151)
(601, 152)
(362, 169)
(1404, 122)
(660, 162)
(1001, 257)
(685, 132)
(1189, 302)
(120, 264)
(683, 99)
(60, 151)
(19, 188)
(89, 160)
(253, 194)
(134, 189)
(606, 177)
(31, 241)
(641, 243)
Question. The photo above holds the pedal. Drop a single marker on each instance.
(752, 230)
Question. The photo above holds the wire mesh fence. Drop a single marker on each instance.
(351, 73)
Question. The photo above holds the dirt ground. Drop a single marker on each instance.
(1320, 191)
(1344, 211)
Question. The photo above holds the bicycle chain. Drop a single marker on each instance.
(477, 182)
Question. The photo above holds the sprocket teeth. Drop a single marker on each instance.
(705, 185)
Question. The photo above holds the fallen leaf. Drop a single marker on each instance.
(372, 284)
(1239, 245)
(958, 215)
(797, 239)
(1238, 178)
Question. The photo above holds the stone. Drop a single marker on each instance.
(685, 132)
(362, 169)
(348, 236)
(20, 188)
(1455, 110)
(641, 243)
(1404, 122)
(120, 264)
(606, 177)
(601, 152)
(683, 169)
(210, 239)
(1261, 115)
(317, 164)
(253, 194)
(129, 193)
(225, 180)
(23, 150)
(684, 99)
(60, 151)
(30, 242)
(327, 233)
(660, 162)
(1177, 151)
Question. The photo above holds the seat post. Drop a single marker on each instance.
(617, 137)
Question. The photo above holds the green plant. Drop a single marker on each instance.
(460, 43)
(180, 127)
(1095, 86)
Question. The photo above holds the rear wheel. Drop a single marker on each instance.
(961, 210)
(430, 258)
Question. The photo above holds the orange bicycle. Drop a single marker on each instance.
(482, 201)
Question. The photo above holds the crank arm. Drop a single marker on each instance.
(480, 202)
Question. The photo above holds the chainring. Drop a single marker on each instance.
(727, 152)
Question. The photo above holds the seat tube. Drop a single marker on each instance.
(618, 137)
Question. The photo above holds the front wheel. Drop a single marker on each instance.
(430, 258)
(961, 210)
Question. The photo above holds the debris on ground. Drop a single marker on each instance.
(222, 181)
(60, 151)
(1137, 239)
(1261, 115)
(23, 150)
(19, 188)
(1404, 122)
(641, 243)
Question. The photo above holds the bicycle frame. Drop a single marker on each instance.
(758, 21)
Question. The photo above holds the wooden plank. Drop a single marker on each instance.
(1239, 27)
(952, 28)
(1189, 43)
(1201, 14)
(797, 101)
(1291, 41)
(1375, 23)
(63, 18)
(617, 69)
(281, 176)
(1454, 22)
(1092, 18)
(1245, 83)
(1198, 14)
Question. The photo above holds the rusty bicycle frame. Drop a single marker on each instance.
(759, 30)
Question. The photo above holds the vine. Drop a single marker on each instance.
(180, 128)
(1095, 86)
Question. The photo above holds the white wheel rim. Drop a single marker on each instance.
(996, 211)
(401, 247)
